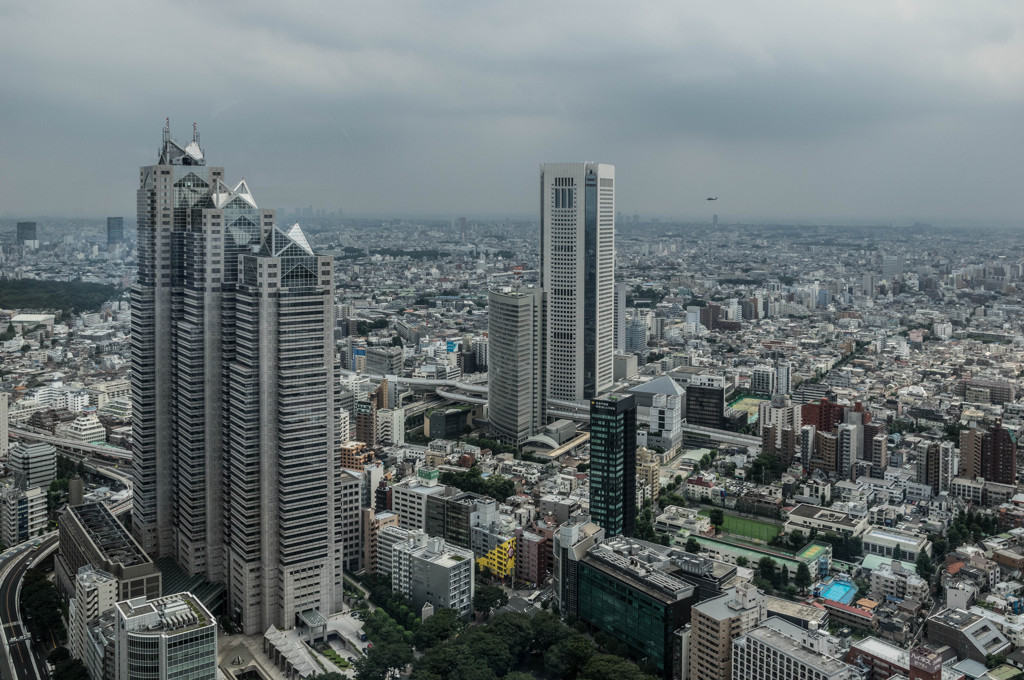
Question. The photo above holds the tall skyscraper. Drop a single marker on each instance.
(192, 228)
(232, 385)
(515, 387)
(577, 234)
(115, 230)
(613, 464)
(282, 453)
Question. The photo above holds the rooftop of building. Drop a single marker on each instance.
(797, 610)
(629, 561)
(891, 654)
(958, 619)
(821, 514)
(172, 614)
(109, 535)
(774, 633)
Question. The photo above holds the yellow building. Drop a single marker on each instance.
(500, 561)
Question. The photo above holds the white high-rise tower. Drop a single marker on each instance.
(577, 236)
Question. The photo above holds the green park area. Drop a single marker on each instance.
(743, 526)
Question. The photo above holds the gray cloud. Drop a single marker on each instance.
(875, 110)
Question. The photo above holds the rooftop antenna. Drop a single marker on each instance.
(167, 129)
(195, 133)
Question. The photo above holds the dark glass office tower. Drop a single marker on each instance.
(27, 232)
(115, 230)
(613, 463)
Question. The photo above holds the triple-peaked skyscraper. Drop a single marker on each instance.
(577, 252)
(234, 406)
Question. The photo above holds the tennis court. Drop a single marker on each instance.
(839, 591)
(748, 404)
(751, 528)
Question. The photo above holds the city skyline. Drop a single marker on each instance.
(844, 111)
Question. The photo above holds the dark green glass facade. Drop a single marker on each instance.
(631, 613)
(613, 464)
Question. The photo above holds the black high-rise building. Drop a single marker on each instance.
(613, 463)
(27, 232)
(705, 401)
(115, 230)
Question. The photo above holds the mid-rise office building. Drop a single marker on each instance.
(892, 267)
(577, 254)
(409, 497)
(91, 535)
(22, 513)
(705, 401)
(516, 393)
(623, 592)
(384, 360)
(35, 461)
(166, 638)
(115, 231)
(636, 338)
(613, 463)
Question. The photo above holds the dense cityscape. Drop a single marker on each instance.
(512, 341)
(256, 445)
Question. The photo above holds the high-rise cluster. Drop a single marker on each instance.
(558, 342)
(234, 406)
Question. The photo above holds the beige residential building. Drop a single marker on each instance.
(716, 623)
(648, 472)
(374, 523)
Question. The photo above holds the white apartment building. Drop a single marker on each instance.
(427, 570)
(779, 650)
(896, 581)
(390, 424)
(409, 498)
(95, 593)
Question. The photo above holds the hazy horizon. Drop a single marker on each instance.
(850, 112)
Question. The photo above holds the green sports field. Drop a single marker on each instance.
(751, 528)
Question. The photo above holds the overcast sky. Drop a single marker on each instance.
(846, 109)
